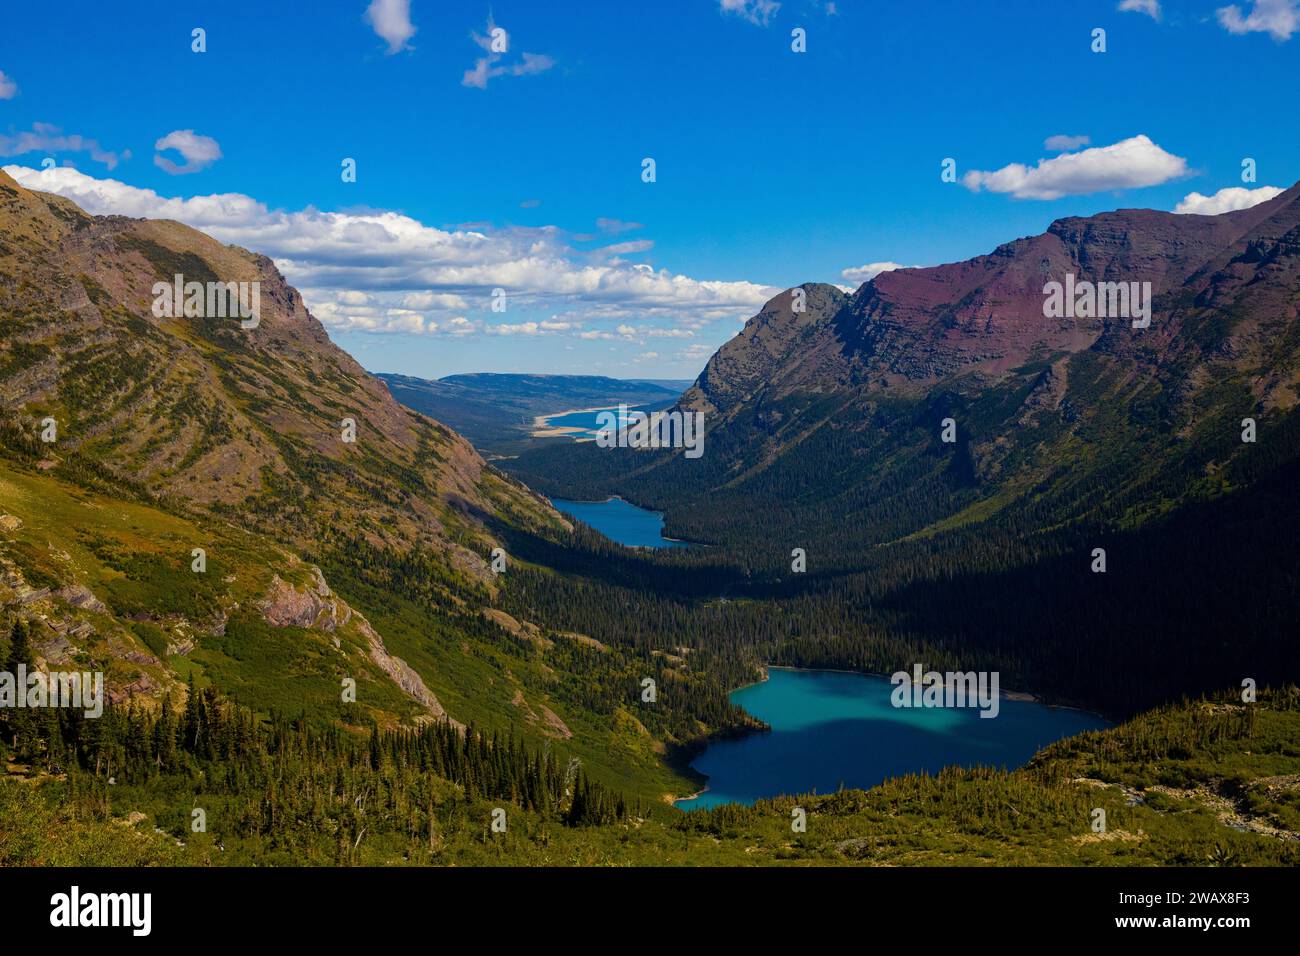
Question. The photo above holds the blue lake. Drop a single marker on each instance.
(590, 421)
(621, 521)
(831, 728)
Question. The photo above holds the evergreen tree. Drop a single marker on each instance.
(20, 651)
(18, 721)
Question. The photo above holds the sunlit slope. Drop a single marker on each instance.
(344, 536)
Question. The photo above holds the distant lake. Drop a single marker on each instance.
(830, 728)
(589, 421)
(621, 521)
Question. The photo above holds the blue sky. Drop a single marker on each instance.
(522, 169)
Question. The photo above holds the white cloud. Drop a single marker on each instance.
(496, 63)
(391, 21)
(44, 138)
(8, 88)
(759, 12)
(350, 310)
(1278, 18)
(199, 152)
(861, 274)
(1128, 164)
(407, 268)
(520, 328)
(424, 301)
(696, 352)
(1062, 144)
(627, 248)
(634, 333)
(545, 327)
(1150, 7)
(462, 326)
(1226, 200)
(616, 226)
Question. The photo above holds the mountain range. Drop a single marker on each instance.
(236, 522)
(1172, 448)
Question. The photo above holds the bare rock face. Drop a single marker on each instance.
(316, 607)
(526, 630)
(403, 675)
(81, 597)
(142, 686)
(543, 717)
(779, 339)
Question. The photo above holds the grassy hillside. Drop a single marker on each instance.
(107, 584)
(1207, 783)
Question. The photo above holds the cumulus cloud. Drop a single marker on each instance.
(498, 61)
(44, 138)
(423, 301)
(861, 274)
(1063, 144)
(1150, 7)
(759, 12)
(1278, 18)
(1226, 200)
(8, 88)
(376, 270)
(351, 310)
(391, 21)
(1128, 164)
(199, 152)
(696, 352)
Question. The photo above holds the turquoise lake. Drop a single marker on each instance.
(620, 521)
(590, 421)
(831, 728)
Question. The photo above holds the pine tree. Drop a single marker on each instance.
(18, 721)
(376, 754)
(164, 736)
(20, 651)
(192, 724)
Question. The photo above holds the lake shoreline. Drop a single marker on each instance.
(764, 677)
(541, 428)
(685, 542)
